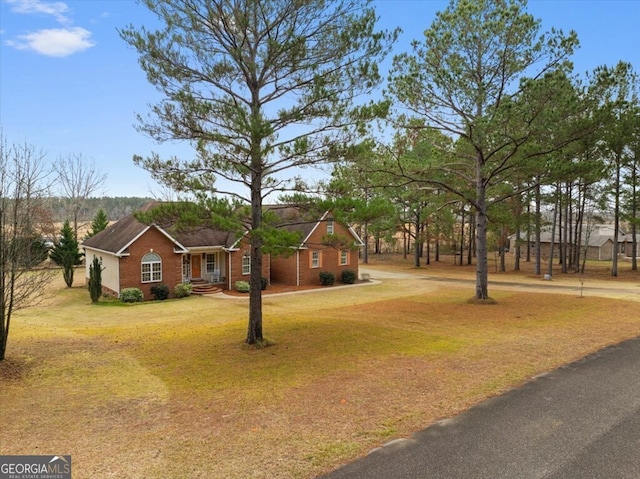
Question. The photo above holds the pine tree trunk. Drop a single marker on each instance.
(616, 219)
(482, 273)
(254, 332)
(365, 259)
(634, 216)
(462, 235)
(538, 231)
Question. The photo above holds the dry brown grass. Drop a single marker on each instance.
(169, 390)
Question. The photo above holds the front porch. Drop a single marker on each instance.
(206, 267)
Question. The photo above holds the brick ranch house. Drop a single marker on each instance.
(135, 254)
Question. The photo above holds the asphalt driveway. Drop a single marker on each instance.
(580, 421)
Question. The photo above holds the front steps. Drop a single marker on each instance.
(200, 286)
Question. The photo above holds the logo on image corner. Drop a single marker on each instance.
(35, 467)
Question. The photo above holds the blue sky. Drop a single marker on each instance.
(69, 85)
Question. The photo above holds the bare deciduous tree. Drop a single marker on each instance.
(23, 192)
(78, 178)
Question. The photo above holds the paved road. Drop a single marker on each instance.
(581, 421)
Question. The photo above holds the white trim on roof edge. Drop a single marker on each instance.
(131, 241)
(315, 227)
(181, 249)
(103, 251)
(175, 241)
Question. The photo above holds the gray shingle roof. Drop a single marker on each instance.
(295, 220)
(116, 238)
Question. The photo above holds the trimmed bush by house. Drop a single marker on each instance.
(264, 282)
(348, 276)
(242, 286)
(327, 278)
(131, 295)
(95, 280)
(183, 290)
(160, 291)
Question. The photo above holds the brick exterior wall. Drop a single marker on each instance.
(283, 270)
(235, 258)
(131, 266)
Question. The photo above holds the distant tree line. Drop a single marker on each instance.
(116, 208)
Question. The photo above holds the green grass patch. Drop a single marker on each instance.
(331, 451)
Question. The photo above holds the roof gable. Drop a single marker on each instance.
(295, 219)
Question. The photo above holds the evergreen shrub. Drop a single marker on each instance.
(327, 278)
(160, 291)
(242, 286)
(182, 290)
(131, 295)
(348, 276)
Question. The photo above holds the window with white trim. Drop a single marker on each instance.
(344, 257)
(151, 268)
(246, 264)
(329, 227)
(211, 262)
(315, 259)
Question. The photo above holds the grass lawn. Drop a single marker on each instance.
(168, 389)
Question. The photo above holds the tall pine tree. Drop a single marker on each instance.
(66, 253)
(99, 223)
(261, 89)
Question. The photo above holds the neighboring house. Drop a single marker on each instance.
(135, 254)
(599, 243)
(627, 246)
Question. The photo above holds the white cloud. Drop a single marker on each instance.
(54, 42)
(55, 9)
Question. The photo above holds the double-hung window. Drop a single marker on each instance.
(211, 262)
(315, 259)
(330, 227)
(344, 257)
(246, 264)
(151, 268)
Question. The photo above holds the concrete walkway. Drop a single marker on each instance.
(581, 421)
